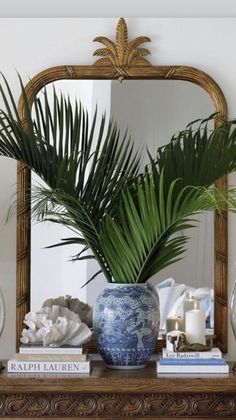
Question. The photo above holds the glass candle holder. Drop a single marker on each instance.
(2, 312)
(233, 310)
(2, 319)
(232, 304)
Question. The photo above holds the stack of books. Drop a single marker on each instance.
(211, 361)
(39, 359)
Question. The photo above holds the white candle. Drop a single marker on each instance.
(189, 304)
(172, 338)
(195, 326)
(171, 321)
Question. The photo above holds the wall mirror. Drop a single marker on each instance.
(153, 102)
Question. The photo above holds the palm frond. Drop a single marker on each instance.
(140, 242)
(70, 241)
(197, 156)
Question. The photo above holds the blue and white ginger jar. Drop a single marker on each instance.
(126, 323)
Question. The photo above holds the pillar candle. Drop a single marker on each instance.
(171, 322)
(195, 326)
(189, 304)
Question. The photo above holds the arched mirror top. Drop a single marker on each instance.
(124, 59)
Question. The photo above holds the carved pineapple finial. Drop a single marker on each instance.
(122, 53)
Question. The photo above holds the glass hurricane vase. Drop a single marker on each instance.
(233, 316)
(233, 310)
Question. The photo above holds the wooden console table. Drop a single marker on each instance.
(112, 394)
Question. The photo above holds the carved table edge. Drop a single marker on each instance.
(117, 406)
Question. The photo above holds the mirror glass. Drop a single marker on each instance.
(152, 111)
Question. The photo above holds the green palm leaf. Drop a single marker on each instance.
(197, 156)
(140, 242)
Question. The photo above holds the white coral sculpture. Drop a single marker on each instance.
(55, 326)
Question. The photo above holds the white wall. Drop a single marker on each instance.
(31, 45)
(108, 8)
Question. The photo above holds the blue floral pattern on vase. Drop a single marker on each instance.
(126, 324)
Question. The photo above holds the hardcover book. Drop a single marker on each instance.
(187, 368)
(15, 366)
(213, 353)
(44, 357)
(182, 361)
(25, 349)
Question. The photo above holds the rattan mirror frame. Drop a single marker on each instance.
(121, 67)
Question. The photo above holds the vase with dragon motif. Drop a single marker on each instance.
(126, 324)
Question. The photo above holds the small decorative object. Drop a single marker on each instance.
(172, 338)
(195, 326)
(184, 346)
(55, 326)
(171, 323)
(84, 310)
(126, 322)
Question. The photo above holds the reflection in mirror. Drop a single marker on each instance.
(152, 111)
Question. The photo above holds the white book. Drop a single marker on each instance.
(44, 357)
(50, 350)
(192, 368)
(15, 366)
(214, 353)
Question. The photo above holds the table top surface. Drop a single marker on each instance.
(102, 379)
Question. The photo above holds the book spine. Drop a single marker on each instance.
(21, 357)
(14, 366)
(50, 350)
(192, 362)
(191, 355)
